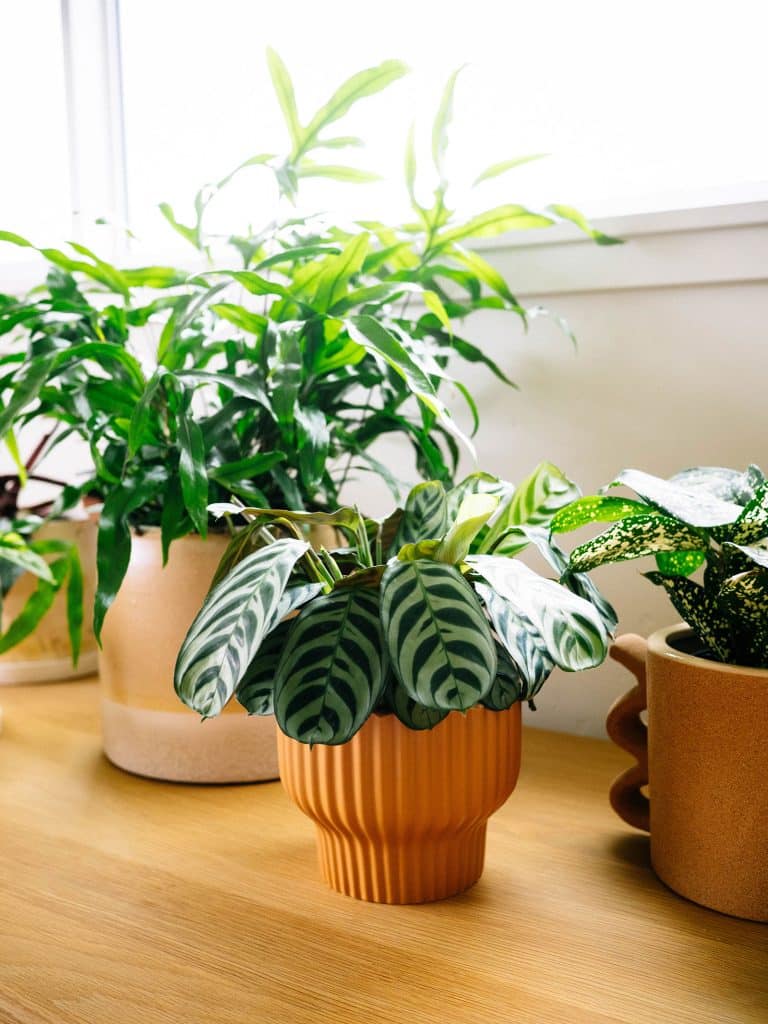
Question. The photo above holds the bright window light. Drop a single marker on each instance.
(643, 107)
(34, 154)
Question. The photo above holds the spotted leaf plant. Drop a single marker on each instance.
(421, 614)
(707, 529)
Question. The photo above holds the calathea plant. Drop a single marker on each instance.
(708, 522)
(416, 616)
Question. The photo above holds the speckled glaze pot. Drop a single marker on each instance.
(704, 756)
(146, 728)
(401, 815)
(45, 655)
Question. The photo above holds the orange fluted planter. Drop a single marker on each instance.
(401, 815)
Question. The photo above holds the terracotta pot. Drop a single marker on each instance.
(147, 730)
(705, 758)
(45, 655)
(401, 815)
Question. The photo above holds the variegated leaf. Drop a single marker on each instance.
(572, 629)
(509, 686)
(425, 516)
(520, 638)
(755, 553)
(752, 524)
(680, 563)
(596, 508)
(257, 687)
(228, 630)
(476, 483)
(438, 638)
(534, 502)
(333, 668)
(635, 537)
(745, 597)
(412, 714)
(719, 482)
(694, 507)
(699, 608)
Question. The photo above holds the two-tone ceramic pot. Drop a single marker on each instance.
(704, 759)
(146, 728)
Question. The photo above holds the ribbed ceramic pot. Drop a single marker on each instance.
(705, 760)
(146, 728)
(45, 655)
(401, 815)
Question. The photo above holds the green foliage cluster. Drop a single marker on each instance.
(707, 519)
(268, 374)
(417, 615)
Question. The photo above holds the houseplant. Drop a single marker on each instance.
(397, 686)
(705, 684)
(270, 382)
(47, 575)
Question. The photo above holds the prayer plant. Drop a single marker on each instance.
(271, 381)
(707, 520)
(418, 615)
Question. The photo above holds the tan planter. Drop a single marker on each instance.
(401, 815)
(45, 655)
(705, 757)
(147, 730)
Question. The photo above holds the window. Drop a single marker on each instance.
(644, 107)
(34, 154)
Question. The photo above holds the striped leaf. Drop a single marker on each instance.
(509, 686)
(635, 537)
(425, 516)
(332, 670)
(520, 638)
(257, 687)
(476, 483)
(533, 503)
(412, 714)
(572, 629)
(438, 638)
(228, 630)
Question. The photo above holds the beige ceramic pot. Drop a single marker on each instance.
(147, 730)
(705, 758)
(401, 815)
(45, 655)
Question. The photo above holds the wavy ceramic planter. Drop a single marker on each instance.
(705, 758)
(146, 729)
(401, 815)
(45, 656)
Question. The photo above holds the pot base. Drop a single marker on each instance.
(177, 747)
(418, 872)
(47, 670)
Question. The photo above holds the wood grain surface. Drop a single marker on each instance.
(126, 901)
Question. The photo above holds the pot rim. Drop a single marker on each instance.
(658, 643)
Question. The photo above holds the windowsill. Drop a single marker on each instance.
(677, 248)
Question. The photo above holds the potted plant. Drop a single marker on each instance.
(705, 683)
(47, 576)
(395, 667)
(271, 383)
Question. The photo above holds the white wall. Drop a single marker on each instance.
(667, 375)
